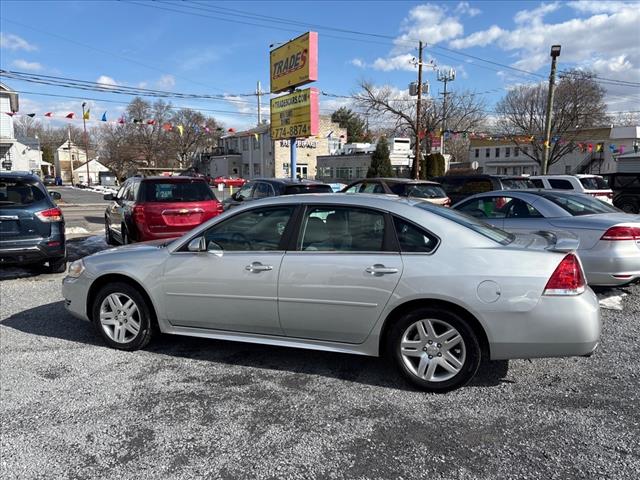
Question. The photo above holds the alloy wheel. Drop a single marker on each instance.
(433, 350)
(120, 318)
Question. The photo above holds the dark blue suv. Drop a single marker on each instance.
(31, 225)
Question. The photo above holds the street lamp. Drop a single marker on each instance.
(86, 147)
(555, 53)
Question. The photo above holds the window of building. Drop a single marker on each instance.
(516, 152)
(487, 152)
(525, 150)
(256, 143)
(345, 173)
(507, 152)
(477, 153)
(245, 144)
(497, 152)
(567, 169)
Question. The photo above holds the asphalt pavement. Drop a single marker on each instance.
(194, 408)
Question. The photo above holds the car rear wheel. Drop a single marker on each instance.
(628, 206)
(122, 317)
(434, 349)
(108, 236)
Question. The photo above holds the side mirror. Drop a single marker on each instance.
(197, 244)
(55, 195)
(236, 197)
(108, 196)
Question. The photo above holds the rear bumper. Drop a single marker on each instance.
(556, 327)
(611, 263)
(24, 253)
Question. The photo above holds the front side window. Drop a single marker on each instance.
(263, 190)
(355, 188)
(342, 229)
(255, 230)
(245, 192)
(413, 239)
(372, 188)
(486, 207)
(517, 208)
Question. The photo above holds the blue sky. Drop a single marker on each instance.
(201, 47)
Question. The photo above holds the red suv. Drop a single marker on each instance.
(155, 208)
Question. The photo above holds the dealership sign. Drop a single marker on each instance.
(295, 114)
(295, 63)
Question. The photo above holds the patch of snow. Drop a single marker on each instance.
(70, 230)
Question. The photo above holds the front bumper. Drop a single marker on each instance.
(556, 327)
(75, 292)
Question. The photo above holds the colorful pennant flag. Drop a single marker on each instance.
(48, 114)
(85, 115)
(104, 117)
(121, 120)
(11, 114)
(599, 147)
(255, 135)
(621, 149)
(167, 127)
(181, 129)
(31, 115)
(70, 115)
(151, 122)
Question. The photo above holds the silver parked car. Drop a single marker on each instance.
(609, 239)
(362, 274)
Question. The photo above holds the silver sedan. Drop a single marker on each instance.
(609, 239)
(435, 290)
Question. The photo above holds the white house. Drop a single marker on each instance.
(95, 167)
(8, 104)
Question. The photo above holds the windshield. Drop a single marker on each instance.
(17, 192)
(320, 188)
(172, 191)
(493, 233)
(594, 183)
(579, 204)
(517, 183)
(420, 190)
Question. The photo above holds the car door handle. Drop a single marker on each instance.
(257, 267)
(378, 270)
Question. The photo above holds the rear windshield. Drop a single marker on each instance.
(594, 183)
(580, 204)
(17, 192)
(172, 191)
(420, 190)
(493, 233)
(517, 183)
(295, 189)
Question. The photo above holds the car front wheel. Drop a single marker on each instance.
(122, 317)
(434, 349)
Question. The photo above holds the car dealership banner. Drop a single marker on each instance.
(295, 63)
(295, 114)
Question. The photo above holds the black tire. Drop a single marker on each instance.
(126, 239)
(144, 317)
(58, 265)
(468, 349)
(628, 206)
(108, 236)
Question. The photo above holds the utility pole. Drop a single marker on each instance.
(415, 168)
(555, 53)
(69, 152)
(445, 77)
(86, 146)
(259, 94)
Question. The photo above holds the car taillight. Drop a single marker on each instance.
(138, 214)
(50, 215)
(567, 279)
(622, 233)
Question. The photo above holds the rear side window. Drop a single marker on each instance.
(451, 184)
(537, 183)
(560, 184)
(17, 193)
(295, 189)
(594, 183)
(163, 191)
(413, 239)
(420, 190)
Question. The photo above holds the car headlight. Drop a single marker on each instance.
(76, 268)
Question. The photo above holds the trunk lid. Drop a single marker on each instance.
(178, 217)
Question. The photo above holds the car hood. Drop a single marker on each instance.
(135, 248)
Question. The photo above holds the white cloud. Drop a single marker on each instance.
(430, 23)
(397, 62)
(479, 39)
(10, 41)
(106, 81)
(589, 6)
(537, 14)
(25, 65)
(240, 103)
(465, 9)
(357, 62)
(166, 81)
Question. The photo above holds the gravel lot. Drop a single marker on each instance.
(191, 408)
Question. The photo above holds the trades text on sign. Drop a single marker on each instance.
(295, 114)
(294, 63)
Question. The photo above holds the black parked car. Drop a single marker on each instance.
(49, 180)
(626, 190)
(31, 225)
(271, 187)
(459, 187)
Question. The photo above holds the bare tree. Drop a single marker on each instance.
(193, 135)
(25, 126)
(117, 151)
(465, 111)
(579, 103)
(146, 133)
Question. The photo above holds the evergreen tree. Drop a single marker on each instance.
(355, 125)
(380, 162)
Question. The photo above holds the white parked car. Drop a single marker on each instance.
(593, 185)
